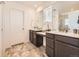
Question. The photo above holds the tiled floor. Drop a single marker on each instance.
(25, 50)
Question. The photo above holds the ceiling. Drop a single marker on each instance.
(34, 4)
(60, 5)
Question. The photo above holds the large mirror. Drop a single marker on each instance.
(47, 18)
(69, 20)
(60, 16)
(50, 18)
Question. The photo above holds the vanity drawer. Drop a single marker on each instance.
(49, 35)
(70, 40)
(50, 42)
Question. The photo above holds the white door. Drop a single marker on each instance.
(16, 26)
(13, 23)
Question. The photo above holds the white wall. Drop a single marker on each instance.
(30, 21)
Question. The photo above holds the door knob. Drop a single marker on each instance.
(1, 29)
(22, 28)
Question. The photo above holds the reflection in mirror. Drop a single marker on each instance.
(39, 21)
(47, 18)
(47, 12)
(62, 19)
(69, 21)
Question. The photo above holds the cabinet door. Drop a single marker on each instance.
(65, 50)
(49, 51)
(34, 37)
(50, 42)
(30, 36)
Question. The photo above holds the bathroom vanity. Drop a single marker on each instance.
(59, 44)
(35, 38)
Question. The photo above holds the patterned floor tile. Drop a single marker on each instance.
(25, 50)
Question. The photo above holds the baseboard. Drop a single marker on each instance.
(17, 44)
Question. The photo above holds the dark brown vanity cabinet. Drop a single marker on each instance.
(32, 36)
(66, 46)
(35, 39)
(65, 50)
(50, 45)
(61, 46)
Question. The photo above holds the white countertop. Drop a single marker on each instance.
(65, 34)
(60, 33)
(41, 33)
